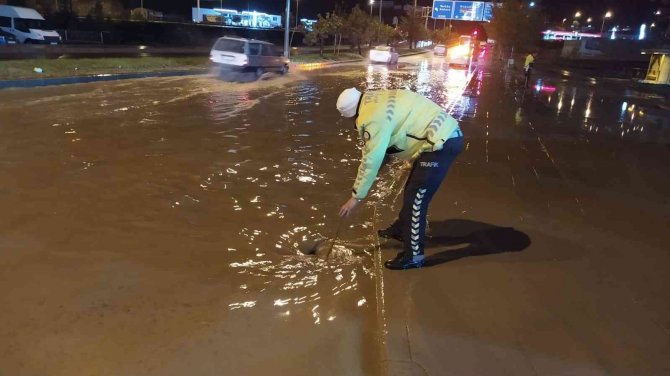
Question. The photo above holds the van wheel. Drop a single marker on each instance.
(258, 72)
(284, 69)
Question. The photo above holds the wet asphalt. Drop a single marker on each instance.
(155, 226)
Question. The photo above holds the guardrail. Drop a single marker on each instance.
(82, 36)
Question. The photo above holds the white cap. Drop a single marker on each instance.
(347, 102)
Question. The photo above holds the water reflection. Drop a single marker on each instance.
(601, 111)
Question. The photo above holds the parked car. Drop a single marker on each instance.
(248, 55)
(26, 25)
(440, 50)
(384, 54)
(7, 38)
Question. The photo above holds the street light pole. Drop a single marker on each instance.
(297, 6)
(286, 42)
(371, 3)
(380, 10)
(607, 15)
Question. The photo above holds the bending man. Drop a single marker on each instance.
(411, 127)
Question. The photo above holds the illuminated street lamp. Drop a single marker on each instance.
(653, 24)
(532, 4)
(658, 12)
(565, 19)
(607, 15)
(588, 20)
(578, 14)
(371, 4)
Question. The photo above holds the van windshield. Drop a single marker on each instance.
(230, 45)
(25, 24)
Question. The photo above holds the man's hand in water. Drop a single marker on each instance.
(348, 207)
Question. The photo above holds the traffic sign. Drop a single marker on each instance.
(443, 10)
(462, 10)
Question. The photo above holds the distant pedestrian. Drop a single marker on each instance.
(528, 66)
(410, 127)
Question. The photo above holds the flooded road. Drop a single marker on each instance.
(155, 226)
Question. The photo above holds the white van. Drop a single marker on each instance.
(248, 55)
(26, 25)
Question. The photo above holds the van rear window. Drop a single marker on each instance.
(230, 45)
(5, 22)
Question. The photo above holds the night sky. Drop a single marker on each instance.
(631, 12)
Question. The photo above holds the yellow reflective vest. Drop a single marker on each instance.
(529, 60)
(401, 120)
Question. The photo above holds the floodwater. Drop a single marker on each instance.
(155, 226)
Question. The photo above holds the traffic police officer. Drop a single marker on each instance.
(410, 127)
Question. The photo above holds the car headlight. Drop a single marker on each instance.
(459, 51)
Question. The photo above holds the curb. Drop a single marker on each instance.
(317, 65)
(414, 53)
(30, 83)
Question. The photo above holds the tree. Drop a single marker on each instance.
(412, 26)
(97, 11)
(382, 33)
(358, 28)
(442, 36)
(325, 27)
(514, 26)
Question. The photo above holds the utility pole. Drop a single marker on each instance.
(380, 9)
(413, 28)
(199, 16)
(297, 6)
(288, 19)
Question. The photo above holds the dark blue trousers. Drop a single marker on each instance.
(427, 173)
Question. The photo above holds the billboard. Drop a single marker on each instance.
(462, 10)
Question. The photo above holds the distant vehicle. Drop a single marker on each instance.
(248, 55)
(26, 25)
(464, 40)
(384, 54)
(7, 38)
(440, 50)
(462, 52)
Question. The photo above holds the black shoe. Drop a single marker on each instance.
(392, 232)
(402, 262)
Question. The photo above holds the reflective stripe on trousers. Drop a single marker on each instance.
(427, 173)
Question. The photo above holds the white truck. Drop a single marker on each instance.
(26, 25)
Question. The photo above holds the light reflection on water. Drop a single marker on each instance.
(606, 113)
(455, 89)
